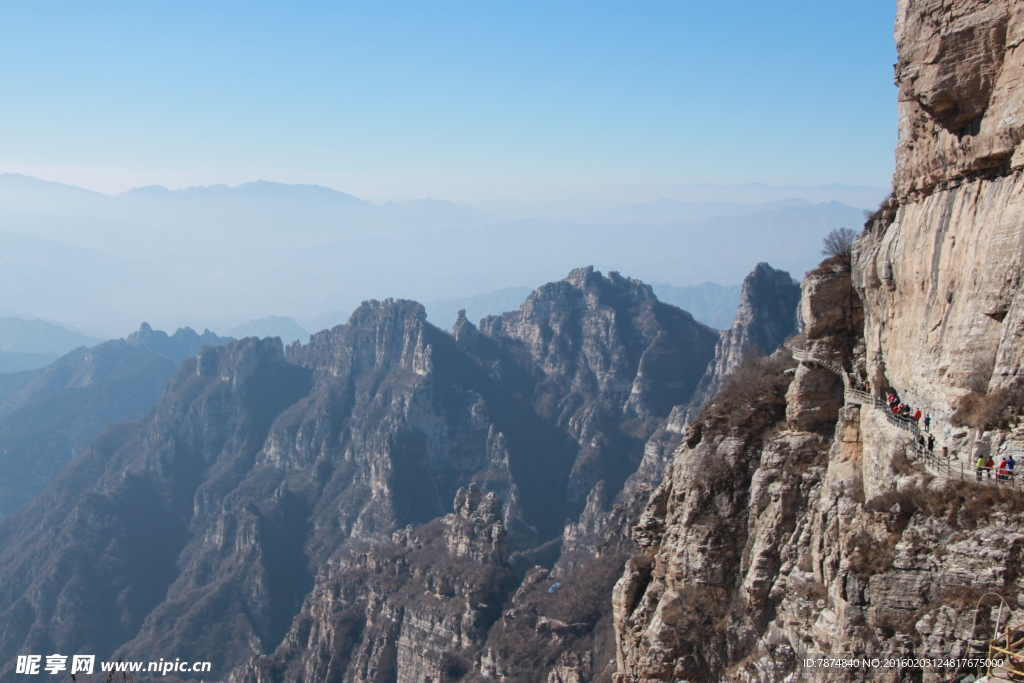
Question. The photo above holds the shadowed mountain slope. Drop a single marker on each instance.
(49, 415)
(202, 526)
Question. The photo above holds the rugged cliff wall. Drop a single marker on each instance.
(940, 267)
(818, 528)
(201, 529)
(792, 526)
(766, 317)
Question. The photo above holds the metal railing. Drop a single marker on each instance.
(810, 357)
(860, 397)
(1010, 654)
(949, 468)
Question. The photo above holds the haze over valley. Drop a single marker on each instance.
(219, 257)
(512, 342)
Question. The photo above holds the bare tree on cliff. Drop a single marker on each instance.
(839, 242)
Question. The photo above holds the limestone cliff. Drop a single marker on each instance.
(766, 317)
(794, 525)
(940, 267)
(204, 526)
(819, 526)
(414, 608)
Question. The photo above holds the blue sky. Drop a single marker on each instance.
(456, 100)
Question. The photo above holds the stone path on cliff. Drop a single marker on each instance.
(949, 468)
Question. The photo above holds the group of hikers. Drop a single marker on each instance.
(983, 465)
(986, 465)
(897, 407)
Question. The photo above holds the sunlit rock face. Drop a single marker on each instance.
(940, 268)
(204, 526)
(829, 533)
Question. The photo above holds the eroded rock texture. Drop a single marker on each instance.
(825, 534)
(766, 317)
(940, 268)
(769, 543)
(200, 531)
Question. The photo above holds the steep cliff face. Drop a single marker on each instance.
(940, 268)
(205, 525)
(959, 101)
(828, 533)
(792, 526)
(410, 609)
(766, 317)
(728, 518)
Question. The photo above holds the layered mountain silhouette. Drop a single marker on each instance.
(199, 530)
(29, 344)
(227, 254)
(50, 414)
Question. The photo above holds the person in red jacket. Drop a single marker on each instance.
(1002, 474)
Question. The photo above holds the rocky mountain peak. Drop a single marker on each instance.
(464, 331)
(379, 334)
(766, 317)
(471, 503)
(183, 343)
(475, 530)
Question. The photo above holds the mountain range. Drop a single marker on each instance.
(48, 415)
(203, 526)
(220, 256)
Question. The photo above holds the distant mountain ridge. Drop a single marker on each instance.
(102, 262)
(30, 344)
(271, 326)
(18, 335)
(49, 415)
(711, 303)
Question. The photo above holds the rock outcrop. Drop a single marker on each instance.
(959, 93)
(766, 317)
(414, 608)
(263, 474)
(828, 533)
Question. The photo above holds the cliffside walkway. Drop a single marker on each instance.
(1009, 650)
(948, 468)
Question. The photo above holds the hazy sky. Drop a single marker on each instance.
(461, 100)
